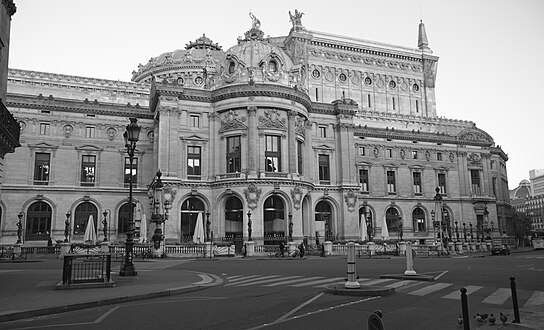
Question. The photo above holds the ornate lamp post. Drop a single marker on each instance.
(249, 226)
(465, 231)
(438, 204)
(470, 225)
(208, 225)
(435, 223)
(131, 136)
(105, 225)
(400, 232)
(290, 227)
(369, 226)
(19, 228)
(67, 227)
(457, 230)
(160, 200)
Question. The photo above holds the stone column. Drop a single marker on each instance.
(252, 141)
(292, 142)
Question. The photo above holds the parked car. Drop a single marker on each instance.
(500, 249)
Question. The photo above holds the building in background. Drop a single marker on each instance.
(308, 135)
(528, 199)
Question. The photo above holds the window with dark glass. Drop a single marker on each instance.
(475, 181)
(83, 213)
(300, 164)
(41, 168)
(417, 182)
(272, 153)
(391, 186)
(275, 226)
(322, 131)
(389, 153)
(234, 154)
(123, 218)
(195, 121)
(89, 132)
(44, 129)
(442, 182)
(134, 171)
(362, 151)
(38, 222)
(363, 179)
(324, 175)
(439, 156)
(190, 209)
(418, 219)
(234, 214)
(494, 184)
(193, 162)
(88, 170)
(414, 154)
(232, 67)
(272, 66)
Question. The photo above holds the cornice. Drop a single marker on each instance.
(369, 114)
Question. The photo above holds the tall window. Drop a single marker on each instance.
(195, 121)
(417, 106)
(233, 154)
(123, 218)
(322, 131)
(44, 129)
(324, 174)
(89, 132)
(189, 214)
(417, 182)
(394, 105)
(391, 186)
(234, 214)
(300, 164)
(88, 168)
(494, 184)
(475, 181)
(134, 171)
(414, 154)
(272, 153)
(368, 100)
(82, 215)
(38, 222)
(275, 225)
(389, 152)
(42, 165)
(362, 151)
(393, 219)
(193, 163)
(442, 183)
(418, 220)
(439, 156)
(363, 179)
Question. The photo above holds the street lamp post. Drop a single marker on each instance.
(105, 225)
(131, 136)
(438, 202)
(470, 225)
(249, 226)
(208, 224)
(67, 227)
(19, 228)
(457, 230)
(465, 231)
(369, 226)
(435, 225)
(290, 227)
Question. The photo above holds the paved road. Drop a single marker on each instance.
(288, 294)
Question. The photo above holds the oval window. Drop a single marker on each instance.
(368, 81)
(342, 77)
(392, 84)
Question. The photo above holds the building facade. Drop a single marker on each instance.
(308, 135)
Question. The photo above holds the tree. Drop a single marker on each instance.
(522, 226)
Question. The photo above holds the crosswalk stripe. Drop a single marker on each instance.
(399, 284)
(343, 281)
(536, 299)
(243, 278)
(456, 295)
(252, 279)
(294, 281)
(268, 280)
(498, 297)
(378, 281)
(430, 289)
(317, 282)
(233, 277)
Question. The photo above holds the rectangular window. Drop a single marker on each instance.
(394, 105)
(442, 183)
(389, 153)
(89, 132)
(475, 181)
(88, 169)
(494, 183)
(193, 163)
(195, 121)
(234, 154)
(322, 131)
(44, 129)
(417, 182)
(300, 164)
(363, 179)
(272, 153)
(134, 171)
(414, 154)
(41, 168)
(391, 186)
(324, 174)
(492, 164)
(361, 151)
(368, 99)
(417, 106)
(317, 95)
(439, 156)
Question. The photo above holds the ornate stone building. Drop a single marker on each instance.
(308, 135)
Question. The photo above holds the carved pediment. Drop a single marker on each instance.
(88, 147)
(474, 135)
(272, 119)
(43, 145)
(230, 121)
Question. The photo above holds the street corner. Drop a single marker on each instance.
(207, 280)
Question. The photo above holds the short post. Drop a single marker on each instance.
(464, 307)
(409, 260)
(328, 248)
(250, 249)
(352, 272)
(514, 300)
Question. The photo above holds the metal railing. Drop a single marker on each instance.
(91, 268)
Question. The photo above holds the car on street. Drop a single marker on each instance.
(500, 249)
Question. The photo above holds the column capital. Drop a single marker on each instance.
(252, 110)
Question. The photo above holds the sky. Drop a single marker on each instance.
(489, 71)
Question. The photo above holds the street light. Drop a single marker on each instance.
(160, 201)
(399, 233)
(290, 227)
(19, 228)
(105, 225)
(67, 227)
(131, 136)
(249, 226)
(438, 202)
(368, 220)
(208, 224)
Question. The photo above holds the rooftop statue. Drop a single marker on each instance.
(296, 19)
(256, 24)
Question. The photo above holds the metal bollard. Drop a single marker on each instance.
(464, 307)
(352, 276)
(514, 300)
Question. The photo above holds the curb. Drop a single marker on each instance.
(339, 289)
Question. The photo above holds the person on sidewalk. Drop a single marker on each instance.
(301, 249)
(282, 250)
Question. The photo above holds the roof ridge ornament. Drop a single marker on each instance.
(296, 20)
(255, 33)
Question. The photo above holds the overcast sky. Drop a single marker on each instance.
(491, 51)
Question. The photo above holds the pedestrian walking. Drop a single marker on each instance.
(301, 249)
(282, 250)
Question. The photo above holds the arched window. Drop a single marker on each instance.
(393, 219)
(83, 211)
(38, 222)
(418, 220)
(323, 219)
(234, 212)
(189, 212)
(367, 220)
(274, 220)
(123, 218)
(272, 66)
(232, 66)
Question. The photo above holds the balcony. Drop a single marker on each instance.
(9, 131)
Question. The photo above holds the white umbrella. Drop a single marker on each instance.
(90, 231)
(385, 231)
(198, 235)
(362, 227)
(143, 229)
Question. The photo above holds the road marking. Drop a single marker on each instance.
(378, 281)
(344, 281)
(536, 299)
(205, 279)
(268, 280)
(103, 316)
(498, 297)
(430, 289)
(253, 279)
(294, 281)
(440, 275)
(400, 283)
(243, 278)
(334, 279)
(233, 277)
(456, 295)
(294, 310)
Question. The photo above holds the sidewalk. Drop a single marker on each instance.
(27, 289)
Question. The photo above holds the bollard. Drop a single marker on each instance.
(352, 276)
(464, 307)
(409, 260)
(514, 300)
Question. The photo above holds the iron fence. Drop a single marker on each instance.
(91, 268)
